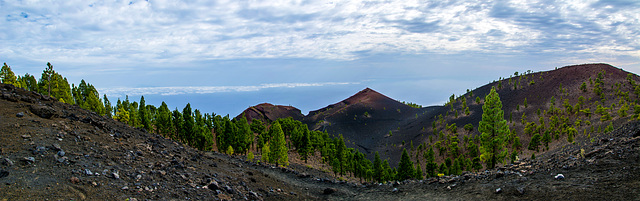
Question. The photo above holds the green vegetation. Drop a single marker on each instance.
(493, 128)
(412, 104)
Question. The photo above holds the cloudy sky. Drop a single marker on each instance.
(223, 56)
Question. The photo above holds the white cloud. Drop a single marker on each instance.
(177, 31)
(122, 91)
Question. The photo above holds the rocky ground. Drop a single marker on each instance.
(54, 151)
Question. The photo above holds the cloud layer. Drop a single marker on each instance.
(165, 91)
(180, 31)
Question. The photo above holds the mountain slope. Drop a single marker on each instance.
(365, 118)
(266, 112)
(55, 151)
(370, 121)
(538, 89)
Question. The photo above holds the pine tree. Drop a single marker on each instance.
(108, 109)
(178, 122)
(188, 128)
(163, 123)
(534, 143)
(278, 147)
(265, 153)
(418, 172)
(494, 128)
(47, 74)
(377, 168)
(430, 165)
(144, 114)
(7, 75)
(340, 153)
(244, 135)
(405, 168)
(306, 147)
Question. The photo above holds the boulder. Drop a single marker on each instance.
(43, 111)
(328, 191)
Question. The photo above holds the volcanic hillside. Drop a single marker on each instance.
(370, 121)
(361, 118)
(266, 112)
(549, 102)
(55, 151)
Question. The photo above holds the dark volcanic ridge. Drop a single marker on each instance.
(370, 121)
(267, 112)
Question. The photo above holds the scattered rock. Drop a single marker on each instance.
(213, 185)
(115, 175)
(520, 190)
(559, 176)
(7, 162)
(229, 190)
(74, 180)
(56, 147)
(88, 172)
(61, 159)
(20, 114)
(39, 150)
(25, 136)
(395, 190)
(60, 153)
(29, 160)
(498, 190)
(328, 191)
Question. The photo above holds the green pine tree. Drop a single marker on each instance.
(278, 154)
(405, 168)
(7, 75)
(494, 128)
(430, 165)
(163, 121)
(377, 168)
(418, 172)
(143, 114)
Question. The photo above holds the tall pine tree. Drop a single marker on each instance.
(493, 129)
(278, 150)
(145, 120)
(378, 170)
(405, 168)
(430, 164)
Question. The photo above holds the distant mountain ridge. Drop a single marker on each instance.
(267, 112)
(371, 121)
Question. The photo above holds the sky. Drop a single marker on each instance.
(224, 56)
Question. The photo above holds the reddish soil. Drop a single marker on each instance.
(266, 112)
